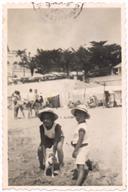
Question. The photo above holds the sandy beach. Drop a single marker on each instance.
(105, 143)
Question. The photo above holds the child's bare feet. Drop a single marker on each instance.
(61, 168)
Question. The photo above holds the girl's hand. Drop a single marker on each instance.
(74, 154)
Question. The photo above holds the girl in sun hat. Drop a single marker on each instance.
(80, 142)
(82, 108)
(51, 135)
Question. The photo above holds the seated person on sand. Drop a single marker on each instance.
(51, 136)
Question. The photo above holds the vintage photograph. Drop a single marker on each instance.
(64, 95)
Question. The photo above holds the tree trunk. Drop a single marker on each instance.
(86, 79)
(32, 71)
(67, 69)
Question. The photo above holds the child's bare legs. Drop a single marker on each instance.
(29, 112)
(36, 111)
(16, 109)
(22, 110)
(41, 156)
(82, 174)
(60, 152)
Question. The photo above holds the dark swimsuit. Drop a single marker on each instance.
(49, 142)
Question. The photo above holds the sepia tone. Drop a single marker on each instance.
(68, 57)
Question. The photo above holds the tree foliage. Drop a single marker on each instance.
(98, 55)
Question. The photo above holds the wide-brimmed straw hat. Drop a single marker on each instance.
(48, 111)
(82, 108)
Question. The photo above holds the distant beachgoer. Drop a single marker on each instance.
(41, 100)
(30, 104)
(36, 104)
(18, 104)
(91, 102)
(80, 143)
(107, 98)
(51, 136)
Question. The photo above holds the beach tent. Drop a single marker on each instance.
(113, 88)
(117, 69)
(48, 89)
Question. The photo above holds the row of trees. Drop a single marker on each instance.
(99, 55)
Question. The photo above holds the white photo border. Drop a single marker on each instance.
(3, 101)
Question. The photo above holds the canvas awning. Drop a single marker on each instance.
(117, 66)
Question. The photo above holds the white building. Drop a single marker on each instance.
(13, 68)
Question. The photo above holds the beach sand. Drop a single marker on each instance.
(104, 131)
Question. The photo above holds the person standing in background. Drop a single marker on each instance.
(30, 104)
(36, 102)
(18, 104)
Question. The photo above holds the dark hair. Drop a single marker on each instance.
(50, 114)
(30, 90)
(85, 114)
(17, 92)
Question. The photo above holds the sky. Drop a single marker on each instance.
(44, 29)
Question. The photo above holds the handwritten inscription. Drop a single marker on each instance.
(75, 9)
